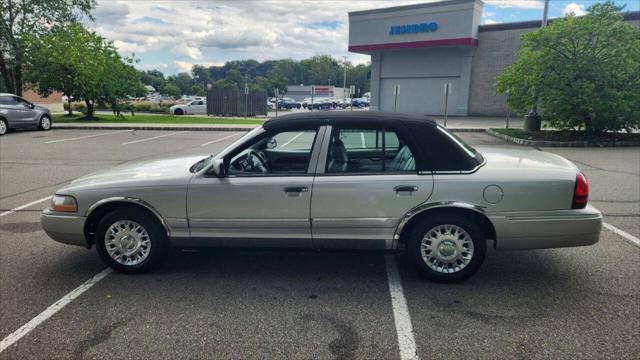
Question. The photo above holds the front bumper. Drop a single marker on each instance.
(547, 229)
(66, 229)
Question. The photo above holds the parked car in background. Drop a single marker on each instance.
(360, 102)
(349, 180)
(321, 104)
(18, 113)
(196, 107)
(288, 103)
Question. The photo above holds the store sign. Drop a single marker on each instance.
(413, 28)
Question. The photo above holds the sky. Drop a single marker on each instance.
(172, 35)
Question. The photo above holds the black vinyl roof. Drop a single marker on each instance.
(344, 118)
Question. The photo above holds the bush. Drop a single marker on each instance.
(582, 72)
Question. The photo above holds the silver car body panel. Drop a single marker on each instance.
(525, 194)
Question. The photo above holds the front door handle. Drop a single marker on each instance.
(296, 189)
(405, 188)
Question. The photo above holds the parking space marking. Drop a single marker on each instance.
(404, 329)
(54, 308)
(632, 239)
(85, 137)
(24, 206)
(292, 139)
(153, 138)
(221, 139)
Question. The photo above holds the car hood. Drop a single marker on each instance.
(160, 172)
(526, 163)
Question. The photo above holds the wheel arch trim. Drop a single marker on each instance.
(431, 206)
(130, 200)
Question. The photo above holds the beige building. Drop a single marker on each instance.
(420, 48)
(53, 102)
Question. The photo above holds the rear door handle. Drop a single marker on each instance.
(405, 188)
(296, 189)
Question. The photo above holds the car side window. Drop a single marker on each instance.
(282, 153)
(376, 150)
(22, 102)
(7, 100)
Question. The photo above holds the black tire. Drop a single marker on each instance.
(159, 244)
(45, 123)
(178, 112)
(469, 226)
(4, 127)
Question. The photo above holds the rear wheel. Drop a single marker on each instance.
(3, 127)
(447, 248)
(131, 241)
(178, 112)
(45, 123)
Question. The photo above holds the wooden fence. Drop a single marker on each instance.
(236, 103)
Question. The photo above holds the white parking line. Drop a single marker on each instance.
(153, 138)
(404, 329)
(632, 239)
(85, 137)
(293, 138)
(48, 312)
(24, 206)
(221, 139)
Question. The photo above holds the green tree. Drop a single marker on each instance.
(198, 90)
(154, 78)
(201, 75)
(183, 81)
(584, 72)
(31, 17)
(234, 76)
(81, 65)
(172, 90)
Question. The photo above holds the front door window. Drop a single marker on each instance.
(283, 153)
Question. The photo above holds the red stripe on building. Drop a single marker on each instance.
(415, 44)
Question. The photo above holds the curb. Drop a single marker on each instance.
(547, 143)
(143, 127)
(194, 128)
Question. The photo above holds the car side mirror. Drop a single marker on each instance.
(31, 106)
(218, 168)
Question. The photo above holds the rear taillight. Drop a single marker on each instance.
(581, 192)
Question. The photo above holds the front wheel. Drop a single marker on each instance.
(447, 248)
(178, 112)
(3, 127)
(45, 123)
(131, 241)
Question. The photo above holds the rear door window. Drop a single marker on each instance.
(361, 150)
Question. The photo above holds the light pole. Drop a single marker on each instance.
(545, 13)
(344, 78)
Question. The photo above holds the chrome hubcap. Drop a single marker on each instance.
(127, 242)
(446, 249)
(45, 122)
(3, 127)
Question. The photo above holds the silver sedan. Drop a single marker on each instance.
(360, 180)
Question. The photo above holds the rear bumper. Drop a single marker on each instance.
(547, 229)
(63, 228)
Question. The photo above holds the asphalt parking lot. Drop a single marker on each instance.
(560, 303)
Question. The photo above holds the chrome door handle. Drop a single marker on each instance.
(296, 189)
(406, 188)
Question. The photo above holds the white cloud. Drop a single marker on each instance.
(575, 9)
(187, 51)
(182, 32)
(185, 66)
(521, 4)
(489, 21)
